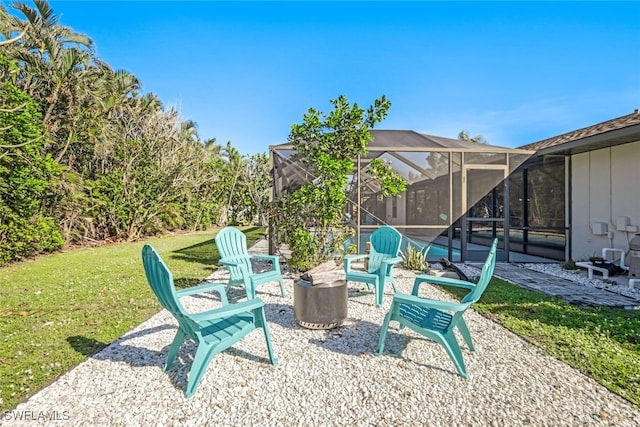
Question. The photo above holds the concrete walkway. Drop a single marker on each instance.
(567, 290)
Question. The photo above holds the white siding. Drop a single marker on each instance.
(605, 186)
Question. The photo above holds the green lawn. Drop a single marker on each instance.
(59, 309)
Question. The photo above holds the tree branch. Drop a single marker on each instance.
(15, 39)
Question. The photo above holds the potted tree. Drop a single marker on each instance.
(311, 218)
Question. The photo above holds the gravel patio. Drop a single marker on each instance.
(327, 378)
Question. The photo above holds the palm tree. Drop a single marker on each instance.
(56, 65)
(464, 136)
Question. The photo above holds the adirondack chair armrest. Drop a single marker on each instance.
(387, 265)
(392, 261)
(228, 310)
(204, 287)
(348, 259)
(273, 258)
(437, 280)
(230, 262)
(429, 303)
(236, 262)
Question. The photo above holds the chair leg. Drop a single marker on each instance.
(228, 288)
(450, 344)
(203, 356)
(383, 333)
(173, 349)
(282, 288)
(379, 285)
(267, 336)
(251, 291)
(466, 335)
(393, 284)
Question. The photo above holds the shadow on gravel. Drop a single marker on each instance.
(137, 356)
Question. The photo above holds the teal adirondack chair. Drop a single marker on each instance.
(232, 246)
(382, 256)
(214, 330)
(437, 320)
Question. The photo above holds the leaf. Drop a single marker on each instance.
(9, 313)
(27, 313)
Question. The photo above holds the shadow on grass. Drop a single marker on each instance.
(186, 282)
(206, 253)
(86, 346)
(91, 346)
(253, 234)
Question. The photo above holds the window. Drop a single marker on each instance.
(394, 207)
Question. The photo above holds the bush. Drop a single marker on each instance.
(570, 265)
(25, 178)
(416, 260)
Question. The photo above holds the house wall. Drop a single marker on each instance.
(401, 211)
(605, 186)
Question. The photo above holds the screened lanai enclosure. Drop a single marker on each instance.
(457, 198)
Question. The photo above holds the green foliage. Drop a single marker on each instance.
(87, 157)
(392, 182)
(311, 218)
(25, 177)
(464, 136)
(51, 322)
(414, 259)
(570, 265)
(307, 251)
(601, 342)
(246, 187)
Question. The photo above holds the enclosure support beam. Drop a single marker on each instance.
(358, 204)
(506, 215)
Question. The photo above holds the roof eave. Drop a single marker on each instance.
(595, 142)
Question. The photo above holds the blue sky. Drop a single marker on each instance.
(513, 72)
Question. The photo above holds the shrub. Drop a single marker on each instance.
(570, 265)
(416, 260)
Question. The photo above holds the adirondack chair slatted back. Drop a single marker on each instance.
(234, 255)
(383, 255)
(161, 282)
(385, 244)
(485, 276)
(425, 318)
(232, 244)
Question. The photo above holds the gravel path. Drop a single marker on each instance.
(327, 378)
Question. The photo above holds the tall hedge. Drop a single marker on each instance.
(25, 177)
